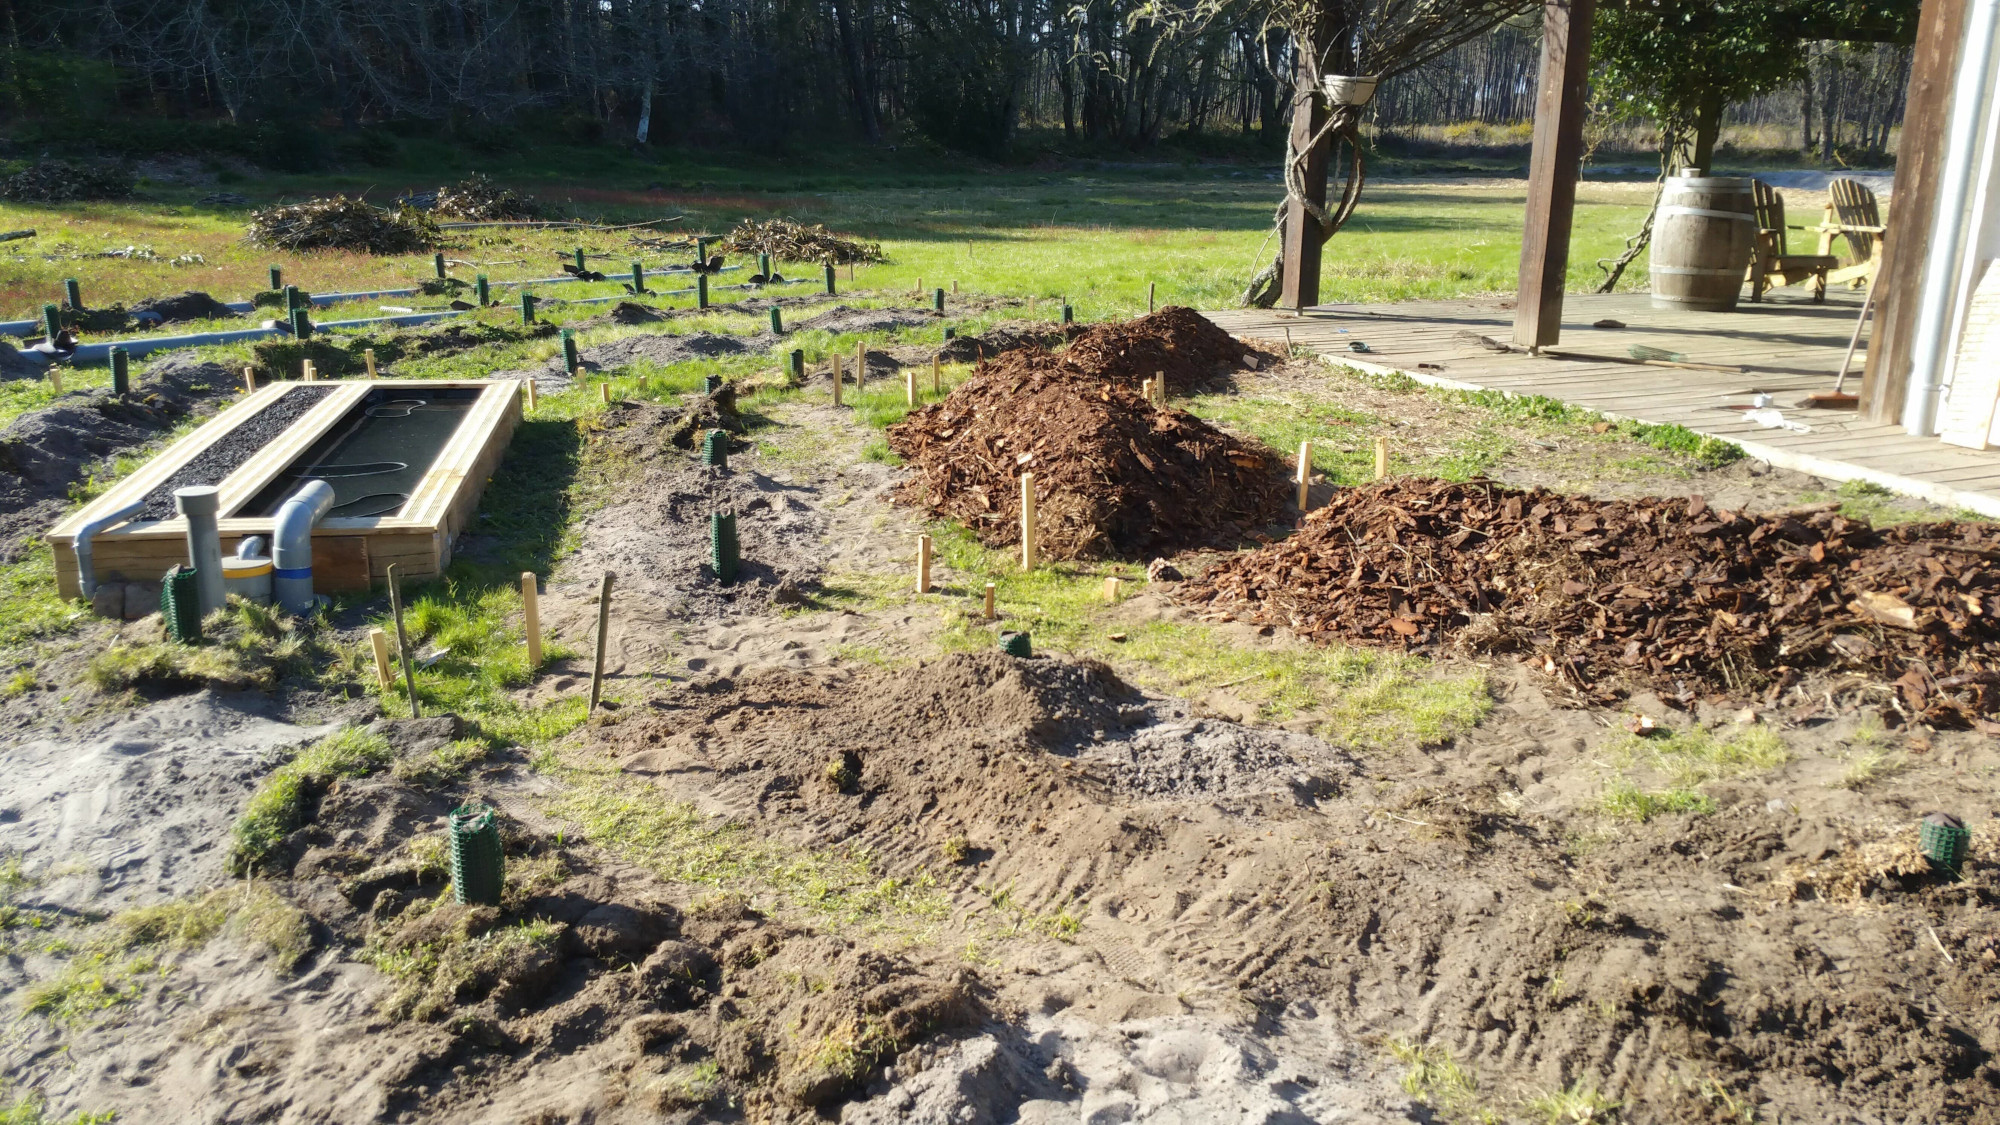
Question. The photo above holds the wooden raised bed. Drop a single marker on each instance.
(349, 553)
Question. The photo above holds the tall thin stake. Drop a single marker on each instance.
(531, 618)
(603, 628)
(1305, 471)
(1027, 521)
(403, 640)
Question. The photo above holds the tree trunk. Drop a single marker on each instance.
(1707, 127)
(857, 74)
(1805, 114)
(646, 111)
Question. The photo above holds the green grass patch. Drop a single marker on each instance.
(32, 1108)
(841, 886)
(1579, 1103)
(1361, 696)
(1434, 1077)
(433, 977)
(1692, 756)
(1625, 800)
(281, 803)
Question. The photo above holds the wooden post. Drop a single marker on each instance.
(836, 380)
(1919, 160)
(923, 564)
(531, 394)
(1552, 171)
(531, 618)
(1305, 471)
(910, 386)
(1381, 457)
(1111, 584)
(55, 379)
(937, 376)
(249, 379)
(380, 641)
(954, 288)
(603, 627)
(1027, 521)
(1160, 387)
(368, 356)
(604, 390)
(989, 602)
(1146, 389)
(1303, 240)
(403, 640)
(860, 363)
(305, 371)
(1152, 288)
(920, 286)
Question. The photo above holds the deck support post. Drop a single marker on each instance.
(1552, 171)
(1299, 273)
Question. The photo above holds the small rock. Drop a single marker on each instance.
(1250, 361)
(141, 599)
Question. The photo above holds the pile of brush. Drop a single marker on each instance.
(341, 223)
(795, 242)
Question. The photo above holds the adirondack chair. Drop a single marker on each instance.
(1852, 213)
(1772, 259)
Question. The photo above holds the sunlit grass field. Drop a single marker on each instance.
(1197, 233)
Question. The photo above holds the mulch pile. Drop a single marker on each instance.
(1114, 475)
(1179, 341)
(479, 199)
(795, 242)
(61, 181)
(1691, 599)
(341, 223)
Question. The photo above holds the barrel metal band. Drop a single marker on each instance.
(1697, 271)
(1707, 213)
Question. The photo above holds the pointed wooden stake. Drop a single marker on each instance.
(923, 564)
(1305, 471)
(380, 641)
(1381, 457)
(989, 602)
(531, 618)
(1027, 521)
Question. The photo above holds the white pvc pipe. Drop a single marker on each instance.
(200, 504)
(1948, 229)
(291, 555)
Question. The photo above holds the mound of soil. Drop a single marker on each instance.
(1115, 476)
(843, 318)
(44, 453)
(191, 305)
(1689, 598)
(1179, 341)
(63, 181)
(1007, 336)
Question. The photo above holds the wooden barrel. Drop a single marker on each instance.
(1703, 236)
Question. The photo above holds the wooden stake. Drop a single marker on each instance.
(403, 640)
(368, 354)
(1027, 521)
(55, 379)
(249, 379)
(910, 385)
(1146, 389)
(531, 393)
(531, 618)
(954, 288)
(603, 627)
(306, 371)
(923, 564)
(989, 602)
(1381, 457)
(1152, 287)
(937, 377)
(836, 380)
(860, 363)
(1160, 387)
(1111, 584)
(604, 390)
(920, 287)
(1305, 471)
(380, 640)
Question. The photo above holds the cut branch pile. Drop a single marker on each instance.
(1179, 341)
(61, 181)
(341, 223)
(1115, 476)
(479, 199)
(1689, 599)
(795, 242)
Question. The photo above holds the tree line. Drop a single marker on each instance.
(967, 74)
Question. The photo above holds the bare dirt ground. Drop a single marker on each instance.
(813, 866)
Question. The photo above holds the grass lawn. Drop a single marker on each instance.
(1100, 237)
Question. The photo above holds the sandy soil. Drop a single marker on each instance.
(1153, 908)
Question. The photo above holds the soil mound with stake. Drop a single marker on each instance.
(1179, 341)
(191, 305)
(1115, 476)
(1692, 599)
(62, 181)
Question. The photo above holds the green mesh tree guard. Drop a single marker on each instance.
(180, 606)
(570, 356)
(1015, 644)
(1945, 841)
(723, 551)
(715, 449)
(477, 867)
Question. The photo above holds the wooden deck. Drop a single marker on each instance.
(1790, 346)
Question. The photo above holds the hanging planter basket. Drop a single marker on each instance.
(1348, 89)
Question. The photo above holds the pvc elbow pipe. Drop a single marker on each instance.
(200, 504)
(251, 547)
(86, 574)
(291, 557)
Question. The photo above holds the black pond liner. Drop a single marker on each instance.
(377, 453)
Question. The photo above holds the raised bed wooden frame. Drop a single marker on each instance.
(349, 554)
